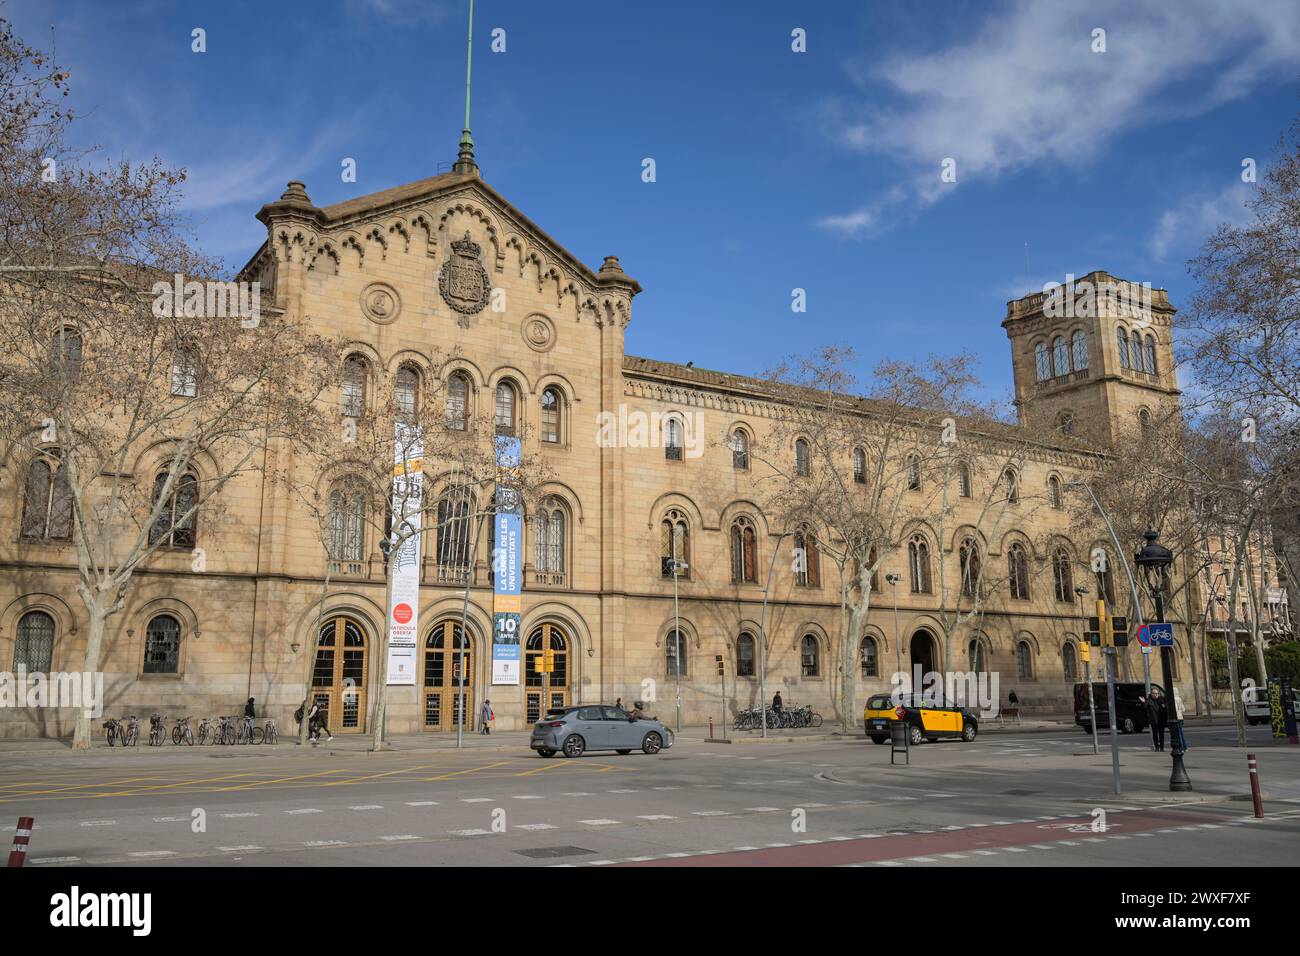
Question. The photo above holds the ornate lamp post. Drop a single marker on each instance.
(1154, 560)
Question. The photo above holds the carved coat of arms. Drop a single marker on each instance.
(463, 281)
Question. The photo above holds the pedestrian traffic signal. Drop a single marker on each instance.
(718, 659)
(1119, 628)
(1092, 637)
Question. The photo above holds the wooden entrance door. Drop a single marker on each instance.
(445, 649)
(535, 683)
(338, 681)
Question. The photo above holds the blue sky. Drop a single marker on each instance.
(775, 169)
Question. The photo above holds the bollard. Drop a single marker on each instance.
(710, 726)
(18, 855)
(1254, 786)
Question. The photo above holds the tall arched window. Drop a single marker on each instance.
(179, 515)
(1024, 660)
(548, 535)
(347, 522)
(1042, 362)
(977, 652)
(47, 500)
(1063, 576)
(1018, 571)
(34, 646)
(676, 652)
(968, 560)
(1060, 356)
(1144, 421)
(808, 568)
(406, 391)
(810, 664)
(859, 466)
(458, 401)
(355, 372)
(455, 528)
(551, 406)
(1054, 491)
(673, 439)
(67, 353)
(185, 372)
(162, 645)
(504, 416)
(1069, 662)
(918, 564)
(870, 658)
(802, 467)
(1011, 485)
(1079, 343)
(1121, 340)
(963, 479)
(740, 450)
(674, 543)
(913, 466)
(1151, 355)
(744, 556)
(745, 655)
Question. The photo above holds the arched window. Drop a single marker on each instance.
(185, 372)
(1024, 660)
(1012, 485)
(1144, 421)
(179, 515)
(673, 439)
(977, 652)
(969, 564)
(548, 535)
(47, 500)
(802, 468)
(740, 450)
(551, 406)
(676, 654)
(1042, 362)
(809, 657)
(406, 392)
(913, 466)
(870, 660)
(34, 646)
(1060, 356)
(1054, 491)
(918, 564)
(744, 556)
(963, 479)
(504, 417)
(808, 565)
(458, 401)
(1018, 572)
(1151, 355)
(859, 466)
(1069, 662)
(1065, 423)
(745, 655)
(1063, 576)
(67, 353)
(674, 544)
(1121, 339)
(355, 373)
(455, 527)
(1079, 342)
(162, 645)
(347, 522)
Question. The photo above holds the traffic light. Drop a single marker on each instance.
(1093, 634)
(548, 661)
(718, 659)
(1119, 630)
(1085, 652)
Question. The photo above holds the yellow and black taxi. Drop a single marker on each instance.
(926, 717)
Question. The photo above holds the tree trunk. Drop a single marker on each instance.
(381, 692)
(98, 614)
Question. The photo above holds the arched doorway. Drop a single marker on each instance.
(922, 652)
(447, 655)
(556, 684)
(338, 681)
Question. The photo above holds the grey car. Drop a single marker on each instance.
(575, 730)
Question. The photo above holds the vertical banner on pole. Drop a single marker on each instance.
(407, 503)
(507, 566)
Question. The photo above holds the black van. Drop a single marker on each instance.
(1130, 712)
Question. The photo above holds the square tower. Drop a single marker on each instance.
(1092, 356)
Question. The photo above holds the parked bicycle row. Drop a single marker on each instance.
(231, 729)
(752, 719)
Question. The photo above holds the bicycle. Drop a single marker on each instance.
(226, 731)
(111, 727)
(157, 730)
(207, 732)
(131, 737)
(269, 732)
(247, 733)
(183, 732)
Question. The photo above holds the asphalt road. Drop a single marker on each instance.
(1007, 800)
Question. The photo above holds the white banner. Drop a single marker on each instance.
(404, 609)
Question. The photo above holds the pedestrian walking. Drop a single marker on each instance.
(486, 716)
(1159, 717)
(250, 712)
(777, 703)
(316, 725)
(619, 703)
(1176, 736)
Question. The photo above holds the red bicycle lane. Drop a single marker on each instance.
(968, 839)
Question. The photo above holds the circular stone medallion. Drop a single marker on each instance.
(381, 303)
(539, 333)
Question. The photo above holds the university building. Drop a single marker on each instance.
(383, 270)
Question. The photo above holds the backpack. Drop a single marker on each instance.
(297, 714)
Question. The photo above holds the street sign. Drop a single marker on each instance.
(1162, 635)
(1144, 636)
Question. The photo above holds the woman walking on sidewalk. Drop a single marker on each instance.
(486, 716)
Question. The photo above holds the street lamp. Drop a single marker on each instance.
(762, 631)
(1081, 590)
(1154, 560)
(678, 566)
(893, 580)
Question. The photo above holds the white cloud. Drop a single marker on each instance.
(1026, 89)
(1198, 215)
